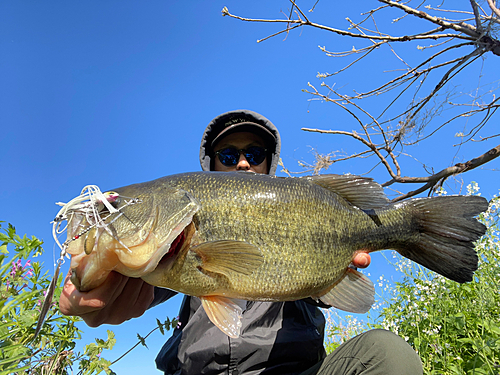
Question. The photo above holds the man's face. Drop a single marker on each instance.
(240, 140)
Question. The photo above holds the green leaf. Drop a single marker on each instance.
(13, 357)
(14, 369)
(111, 340)
(142, 340)
(416, 342)
(466, 340)
(160, 326)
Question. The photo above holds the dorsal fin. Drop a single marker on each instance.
(361, 192)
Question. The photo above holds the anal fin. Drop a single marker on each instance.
(354, 293)
(225, 313)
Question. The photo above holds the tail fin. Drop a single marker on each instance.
(448, 230)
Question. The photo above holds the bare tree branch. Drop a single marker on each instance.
(433, 180)
(462, 27)
(404, 38)
(493, 7)
(475, 9)
(430, 181)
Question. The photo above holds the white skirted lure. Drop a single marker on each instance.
(87, 205)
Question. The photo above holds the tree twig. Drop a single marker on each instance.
(475, 9)
(493, 7)
(404, 38)
(461, 28)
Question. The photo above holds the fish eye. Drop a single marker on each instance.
(103, 209)
(116, 203)
(113, 198)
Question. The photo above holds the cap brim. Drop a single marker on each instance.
(251, 127)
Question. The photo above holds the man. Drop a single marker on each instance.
(276, 337)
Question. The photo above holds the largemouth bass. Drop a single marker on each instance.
(227, 237)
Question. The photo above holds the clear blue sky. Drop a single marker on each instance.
(119, 92)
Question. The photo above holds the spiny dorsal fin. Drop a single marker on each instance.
(225, 313)
(227, 257)
(361, 192)
(354, 293)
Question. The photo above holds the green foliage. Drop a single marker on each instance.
(93, 363)
(341, 328)
(455, 328)
(167, 325)
(22, 288)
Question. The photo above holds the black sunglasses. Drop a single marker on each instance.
(230, 156)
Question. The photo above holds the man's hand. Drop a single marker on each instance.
(118, 299)
(361, 259)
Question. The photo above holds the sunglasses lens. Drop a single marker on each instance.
(229, 156)
(255, 155)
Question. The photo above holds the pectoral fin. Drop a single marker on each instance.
(354, 293)
(225, 313)
(227, 257)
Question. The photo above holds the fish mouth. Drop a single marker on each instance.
(174, 249)
(179, 245)
(85, 277)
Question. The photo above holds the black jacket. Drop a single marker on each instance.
(276, 337)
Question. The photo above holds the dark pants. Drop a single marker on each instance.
(373, 352)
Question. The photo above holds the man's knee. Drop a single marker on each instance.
(375, 352)
(382, 337)
(390, 351)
